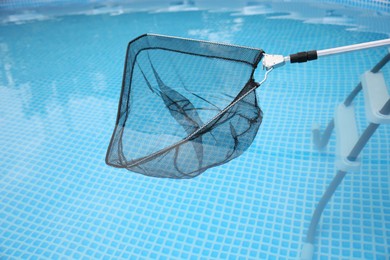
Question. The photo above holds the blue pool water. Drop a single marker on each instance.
(60, 80)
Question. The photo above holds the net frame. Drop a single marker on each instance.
(236, 53)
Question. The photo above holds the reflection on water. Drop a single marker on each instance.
(225, 32)
(42, 117)
(22, 135)
(309, 11)
(25, 16)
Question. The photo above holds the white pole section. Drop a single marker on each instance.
(354, 47)
(274, 61)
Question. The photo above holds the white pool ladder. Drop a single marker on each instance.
(349, 143)
(347, 137)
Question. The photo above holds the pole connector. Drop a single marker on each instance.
(303, 56)
(272, 61)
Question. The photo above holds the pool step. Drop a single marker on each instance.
(346, 137)
(375, 97)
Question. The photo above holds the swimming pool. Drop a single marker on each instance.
(60, 80)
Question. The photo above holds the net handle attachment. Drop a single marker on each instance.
(275, 61)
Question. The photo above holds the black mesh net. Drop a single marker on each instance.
(185, 106)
